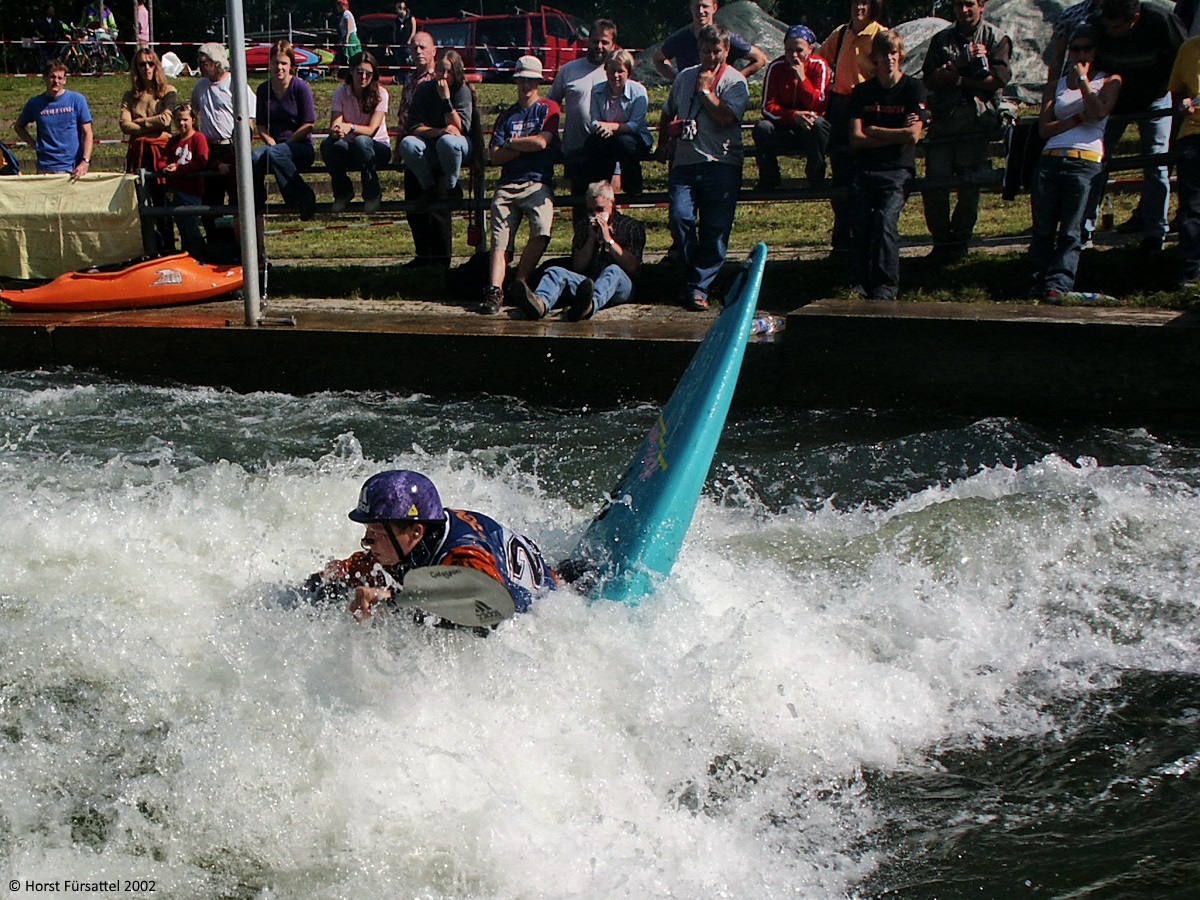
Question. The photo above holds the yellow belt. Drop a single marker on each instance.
(1089, 155)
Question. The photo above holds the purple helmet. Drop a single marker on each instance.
(396, 495)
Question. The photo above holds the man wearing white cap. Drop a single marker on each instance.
(212, 101)
(524, 145)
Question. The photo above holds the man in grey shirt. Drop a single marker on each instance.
(702, 118)
(572, 91)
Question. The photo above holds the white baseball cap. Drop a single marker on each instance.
(529, 67)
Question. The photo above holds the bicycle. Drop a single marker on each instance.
(79, 58)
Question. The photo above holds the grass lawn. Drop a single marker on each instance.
(367, 257)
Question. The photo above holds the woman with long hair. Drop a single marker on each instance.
(440, 122)
(358, 136)
(147, 113)
(284, 116)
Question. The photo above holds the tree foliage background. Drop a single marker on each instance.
(641, 22)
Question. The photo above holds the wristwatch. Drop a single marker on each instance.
(706, 92)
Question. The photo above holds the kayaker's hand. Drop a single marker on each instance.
(365, 598)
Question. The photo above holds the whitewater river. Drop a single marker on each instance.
(899, 656)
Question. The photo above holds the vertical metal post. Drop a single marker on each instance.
(241, 148)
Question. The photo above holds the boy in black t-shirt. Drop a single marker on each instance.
(887, 114)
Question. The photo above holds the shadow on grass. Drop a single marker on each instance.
(1134, 278)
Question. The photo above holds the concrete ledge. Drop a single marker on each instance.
(979, 359)
(1098, 363)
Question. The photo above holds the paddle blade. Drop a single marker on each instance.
(457, 594)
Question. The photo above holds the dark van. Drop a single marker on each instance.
(489, 45)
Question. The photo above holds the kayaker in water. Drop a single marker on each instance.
(408, 528)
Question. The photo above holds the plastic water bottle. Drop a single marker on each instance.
(767, 325)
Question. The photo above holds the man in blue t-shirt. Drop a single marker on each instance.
(683, 48)
(64, 125)
(525, 146)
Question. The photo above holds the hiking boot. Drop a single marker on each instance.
(493, 298)
(529, 303)
(1132, 225)
(307, 204)
(583, 304)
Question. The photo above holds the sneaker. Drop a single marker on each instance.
(1054, 298)
(947, 253)
(371, 205)
(492, 300)
(529, 303)
(583, 305)
(339, 204)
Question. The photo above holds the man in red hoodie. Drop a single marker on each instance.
(795, 94)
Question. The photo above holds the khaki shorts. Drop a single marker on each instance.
(533, 199)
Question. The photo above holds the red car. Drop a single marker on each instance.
(490, 45)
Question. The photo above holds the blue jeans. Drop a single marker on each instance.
(1154, 136)
(703, 204)
(876, 199)
(1059, 198)
(450, 151)
(612, 286)
(360, 153)
(286, 160)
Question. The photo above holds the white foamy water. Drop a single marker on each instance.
(165, 715)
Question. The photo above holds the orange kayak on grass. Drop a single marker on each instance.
(165, 281)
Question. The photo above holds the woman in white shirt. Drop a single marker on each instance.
(1072, 122)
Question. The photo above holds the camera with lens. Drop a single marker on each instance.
(690, 130)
